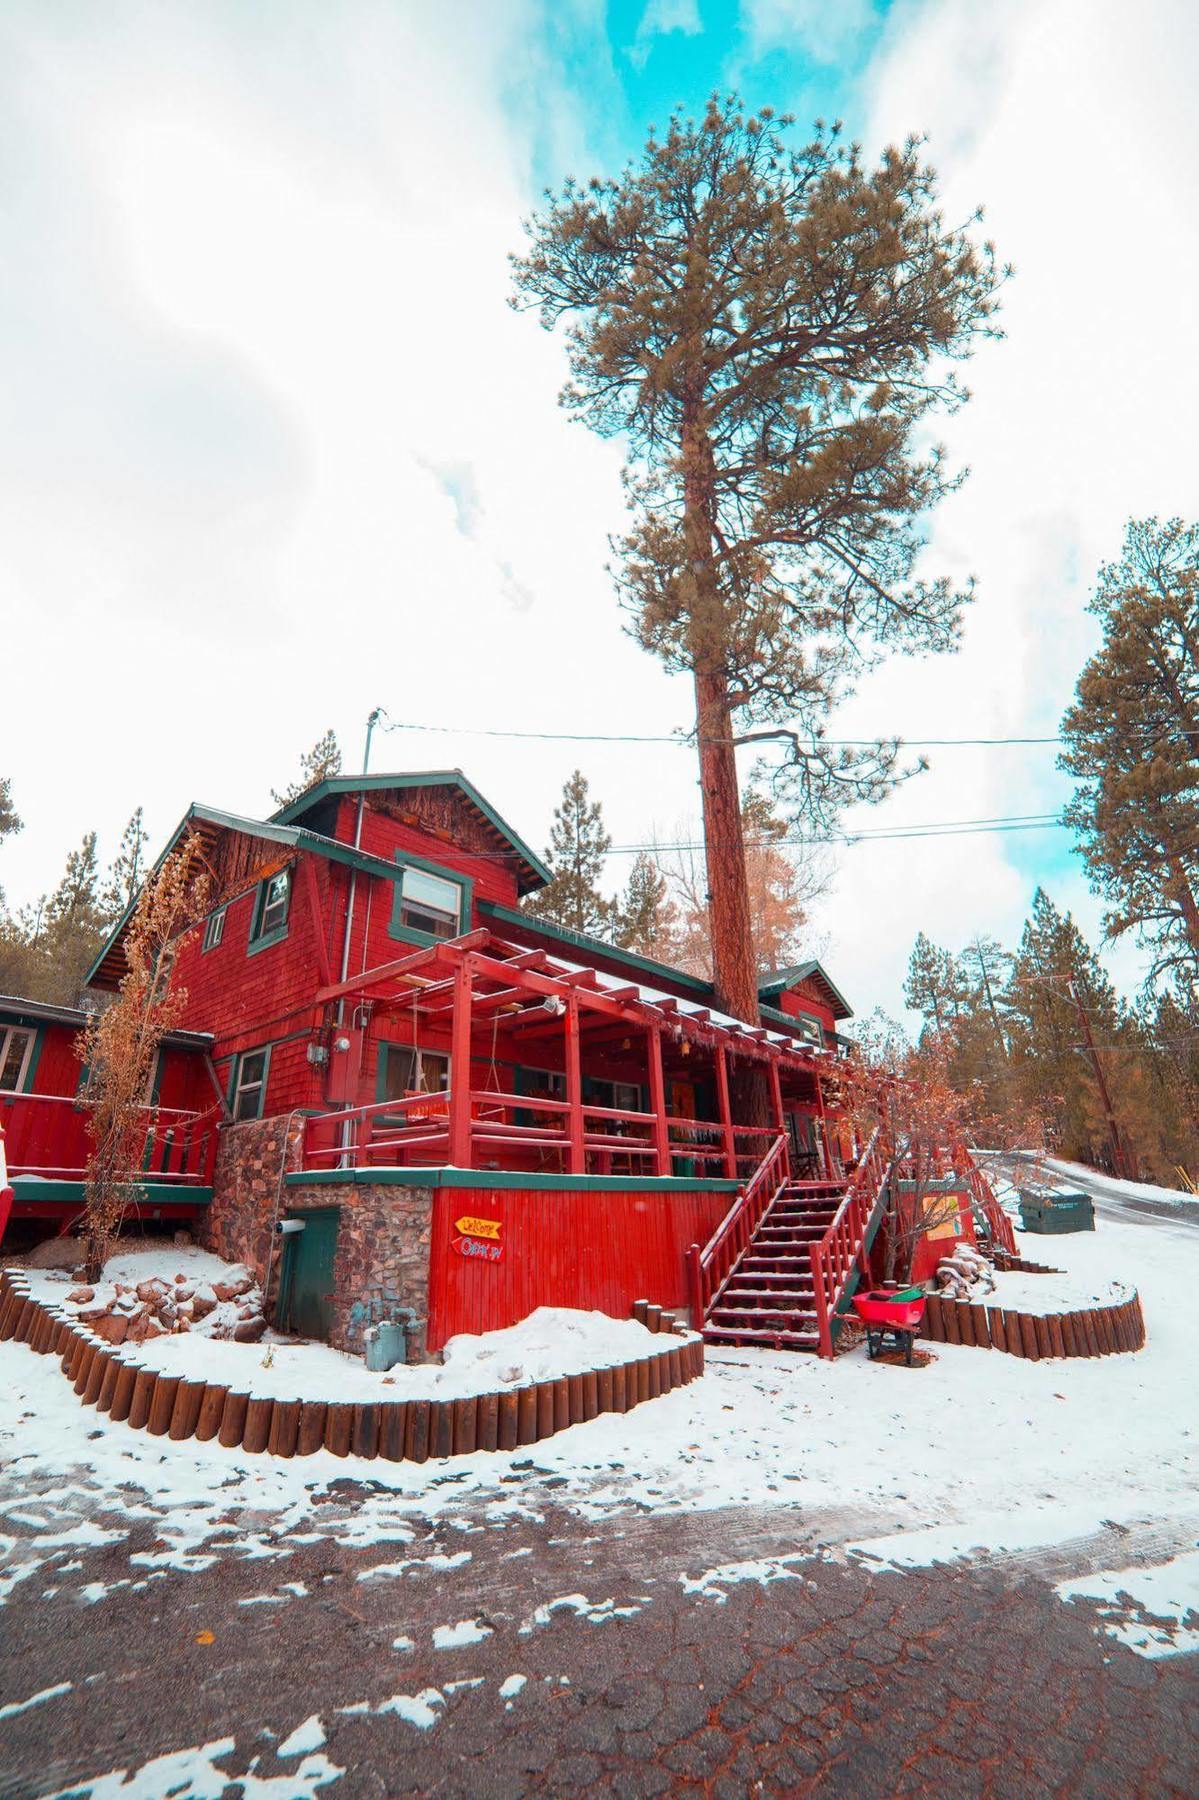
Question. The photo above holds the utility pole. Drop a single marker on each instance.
(1113, 1131)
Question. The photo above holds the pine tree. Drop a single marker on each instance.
(931, 988)
(71, 926)
(10, 820)
(647, 919)
(769, 331)
(1132, 740)
(986, 966)
(317, 764)
(127, 869)
(578, 845)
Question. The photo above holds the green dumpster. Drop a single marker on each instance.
(1052, 1211)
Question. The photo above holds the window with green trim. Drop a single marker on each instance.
(16, 1049)
(271, 908)
(214, 928)
(430, 903)
(247, 1091)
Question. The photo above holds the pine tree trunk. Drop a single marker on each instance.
(734, 975)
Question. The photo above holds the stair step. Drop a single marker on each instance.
(773, 1340)
(756, 1318)
(788, 1280)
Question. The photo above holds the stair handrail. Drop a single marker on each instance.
(836, 1255)
(982, 1195)
(709, 1268)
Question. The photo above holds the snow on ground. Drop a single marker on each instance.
(193, 1774)
(1155, 1610)
(975, 1450)
(1058, 1293)
(1107, 1187)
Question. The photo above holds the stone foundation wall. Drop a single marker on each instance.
(251, 1158)
(381, 1266)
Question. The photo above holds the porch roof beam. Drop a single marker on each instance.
(405, 965)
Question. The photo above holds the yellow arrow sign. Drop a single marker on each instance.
(480, 1228)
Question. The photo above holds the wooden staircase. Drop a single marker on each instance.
(769, 1296)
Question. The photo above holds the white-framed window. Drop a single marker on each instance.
(271, 908)
(408, 1071)
(809, 1029)
(214, 928)
(430, 903)
(16, 1048)
(249, 1084)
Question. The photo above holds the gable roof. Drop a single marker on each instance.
(779, 981)
(207, 822)
(531, 872)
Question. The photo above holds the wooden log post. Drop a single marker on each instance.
(509, 1422)
(590, 1394)
(441, 1428)
(212, 1408)
(391, 1430)
(310, 1433)
(488, 1431)
(285, 1428)
(526, 1415)
(1056, 1337)
(1092, 1337)
(339, 1427)
(364, 1433)
(233, 1419)
(645, 1388)
(162, 1405)
(122, 1393)
(953, 1327)
(604, 1386)
(1044, 1341)
(258, 1424)
(112, 1368)
(561, 1403)
(1028, 1337)
(143, 1392)
(575, 1385)
(653, 1318)
(545, 1409)
(995, 1327)
(466, 1424)
(185, 1414)
(1068, 1339)
(416, 1432)
(95, 1375)
(982, 1331)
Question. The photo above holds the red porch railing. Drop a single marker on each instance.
(528, 1130)
(835, 1257)
(709, 1269)
(46, 1135)
(983, 1196)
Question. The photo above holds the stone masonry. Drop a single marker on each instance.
(247, 1188)
(381, 1268)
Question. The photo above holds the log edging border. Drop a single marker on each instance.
(110, 1378)
(1090, 1331)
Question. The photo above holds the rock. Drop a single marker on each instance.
(182, 1239)
(114, 1328)
(248, 1331)
(204, 1301)
(81, 1295)
(182, 1323)
(184, 1289)
(89, 1314)
(152, 1290)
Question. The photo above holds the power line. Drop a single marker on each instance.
(683, 740)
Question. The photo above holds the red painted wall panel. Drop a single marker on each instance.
(598, 1251)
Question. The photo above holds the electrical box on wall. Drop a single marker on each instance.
(345, 1065)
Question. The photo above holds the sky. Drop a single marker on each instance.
(274, 449)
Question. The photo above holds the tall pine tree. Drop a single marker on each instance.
(769, 330)
(647, 920)
(578, 845)
(1132, 740)
(317, 764)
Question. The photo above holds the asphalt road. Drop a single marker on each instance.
(642, 1674)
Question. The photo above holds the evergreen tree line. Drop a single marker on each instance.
(663, 911)
(1008, 1028)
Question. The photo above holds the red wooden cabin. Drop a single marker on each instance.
(396, 1044)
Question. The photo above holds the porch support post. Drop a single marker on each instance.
(657, 1101)
(460, 1145)
(828, 1142)
(574, 1090)
(776, 1099)
(726, 1114)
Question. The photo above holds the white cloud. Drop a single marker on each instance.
(1072, 120)
(821, 29)
(660, 18)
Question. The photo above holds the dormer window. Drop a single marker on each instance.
(271, 909)
(430, 903)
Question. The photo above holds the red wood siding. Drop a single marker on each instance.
(804, 999)
(596, 1250)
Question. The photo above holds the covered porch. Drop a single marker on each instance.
(477, 1054)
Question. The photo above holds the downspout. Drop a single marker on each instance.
(371, 722)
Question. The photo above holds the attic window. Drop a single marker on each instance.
(270, 910)
(16, 1046)
(214, 928)
(429, 903)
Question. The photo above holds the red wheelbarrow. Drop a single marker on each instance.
(890, 1312)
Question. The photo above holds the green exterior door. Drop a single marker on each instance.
(308, 1277)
